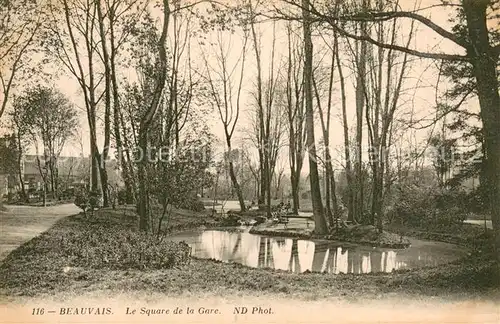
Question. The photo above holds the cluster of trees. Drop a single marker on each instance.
(479, 42)
(139, 79)
(42, 118)
(367, 35)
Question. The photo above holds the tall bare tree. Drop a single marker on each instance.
(382, 91)
(319, 217)
(269, 117)
(73, 44)
(481, 52)
(325, 119)
(295, 114)
(345, 127)
(222, 86)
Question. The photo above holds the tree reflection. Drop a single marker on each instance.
(320, 253)
(269, 254)
(294, 264)
(301, 255)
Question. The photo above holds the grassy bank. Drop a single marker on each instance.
(469, 235)
(359, 234)
(40, 268)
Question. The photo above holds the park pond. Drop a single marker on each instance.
(298, 255)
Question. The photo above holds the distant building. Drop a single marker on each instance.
(71, 171)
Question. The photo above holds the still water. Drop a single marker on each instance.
(317, 256)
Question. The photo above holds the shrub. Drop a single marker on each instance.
(67, 193)
(95, 199)
(13, 197)
(192, 203)
(82, 200)
(260, 220)
(122, 196)
(98, 247)
(231, 220)
(87, 200)
(428, 206)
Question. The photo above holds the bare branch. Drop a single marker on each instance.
(333, 22)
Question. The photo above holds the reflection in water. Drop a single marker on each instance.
(304, 255)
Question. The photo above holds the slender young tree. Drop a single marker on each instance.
(325, 119)
(383, 90)
(319, 217)
(221, 83)
(146, 120)
(295, 114)
(345, 127)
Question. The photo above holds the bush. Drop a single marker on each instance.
(13, 197)
(260, 220)
(67, 194)
(231, 220)
(193, 204)
(123, 197)
(82, 200)
(97, 247)
(428, 206)
(87, 200)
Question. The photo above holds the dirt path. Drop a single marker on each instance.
(21, 223)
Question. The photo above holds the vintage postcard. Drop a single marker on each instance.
(249, 161)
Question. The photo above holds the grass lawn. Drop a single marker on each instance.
(40, 269)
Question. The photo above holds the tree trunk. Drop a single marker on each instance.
(44, 197)
(128, 163)
(268, 188)
(24, 195)
(377, 198)
(333, 192)
(94, 169)
(295, 193)
(143, 209)
(124, 164)
(360, 102)
(104, 180)
(484, 62)
(262, 140)
(295, 121)
(56, 180)
(52, 175)
(328, 207)
(325, 126)
(348, 167)
(262, 193)
(145, 223)
(317, 204)
(2, 188)
(236, 186)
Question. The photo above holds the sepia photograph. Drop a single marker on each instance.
(250, 161)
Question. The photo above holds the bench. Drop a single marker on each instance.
(307, 218)
(285, 219)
